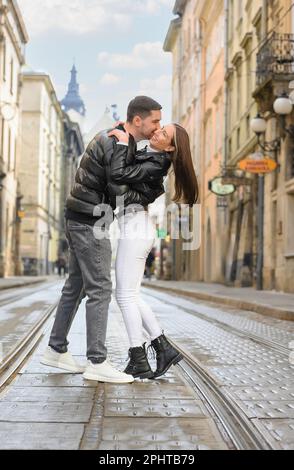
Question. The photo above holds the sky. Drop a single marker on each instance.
(116, 46)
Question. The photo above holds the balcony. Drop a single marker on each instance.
(275, 59)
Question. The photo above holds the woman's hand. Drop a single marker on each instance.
(120, 135)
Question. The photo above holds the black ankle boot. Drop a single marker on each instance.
(166, 355)
(138, 365)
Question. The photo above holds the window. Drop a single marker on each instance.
(7, 227)
(249, 71)
(240, 9)
(2, 129)
(11, 76)
(258, 30)
(218, 136)
(208, 140)
(248, 129)
(14, 155)
(230, 148)
(289, 161)
(239, 90)
(231, 16)
(9, 149)
(290, 224)
(230, 103)
(4, 62)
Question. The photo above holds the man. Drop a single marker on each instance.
(89, 255)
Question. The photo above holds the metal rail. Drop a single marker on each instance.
(237, 425)
(15, 296)
(232, 329)
(18, 355)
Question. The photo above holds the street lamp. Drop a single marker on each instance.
(283, 105)
(258, 126)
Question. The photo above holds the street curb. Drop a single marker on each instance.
(238, 303)
(22, 284)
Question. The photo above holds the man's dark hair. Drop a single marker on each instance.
(142, 106)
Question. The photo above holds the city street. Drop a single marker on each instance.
(149, 143)
(246, 356)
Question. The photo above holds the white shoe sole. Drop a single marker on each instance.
(100, 378)
(59, 365)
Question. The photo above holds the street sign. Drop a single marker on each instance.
(217, 187)
(236, 180)
(161, 233)
(262, 165)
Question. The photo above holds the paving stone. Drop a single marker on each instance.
(155, 407)
(53, 380)
(45, 412)
(40, 436)
(126, 431)
(46, 394)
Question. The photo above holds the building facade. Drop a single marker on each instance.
(210, 14)
(196, 41)
(40, 173)
(239, 62)
(275, 72)
(183, 41)
(13, 37)
(243, 37)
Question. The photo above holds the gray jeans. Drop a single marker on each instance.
(89, 275)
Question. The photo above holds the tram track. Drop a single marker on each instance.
(241, 431)
(16, 357)
(238, 427)
(273, 345)
(29, 289)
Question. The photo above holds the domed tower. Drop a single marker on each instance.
(73, 104)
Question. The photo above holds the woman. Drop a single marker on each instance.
(168, 145)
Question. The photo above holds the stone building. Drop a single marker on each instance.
(13, 37)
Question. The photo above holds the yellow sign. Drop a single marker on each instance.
(21, 214)
(263, 165)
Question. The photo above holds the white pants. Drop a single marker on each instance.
(137, 236)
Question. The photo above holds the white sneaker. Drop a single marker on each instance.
(61, 361)
(105, 372)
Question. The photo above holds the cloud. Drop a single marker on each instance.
(109, 79)
(143, 55)
(156, 85)
(86, 16)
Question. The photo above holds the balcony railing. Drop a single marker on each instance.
(275, 58)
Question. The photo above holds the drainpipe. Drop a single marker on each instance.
(226, 58)
(225, 130)
(260, 210)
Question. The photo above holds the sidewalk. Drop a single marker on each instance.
(275, 304)
(22, 281)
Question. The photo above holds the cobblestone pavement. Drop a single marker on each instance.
(48, 409)
(244, 352)
(247, 354)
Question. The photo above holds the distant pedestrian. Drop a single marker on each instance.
(61, 265)
(149, 264)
